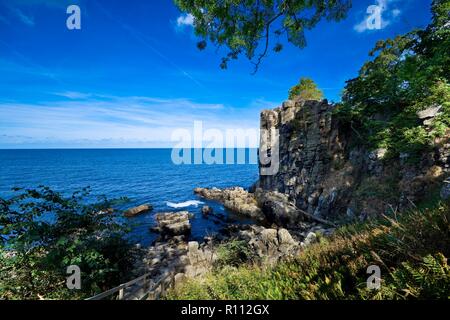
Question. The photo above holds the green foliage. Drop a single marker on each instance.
(411, 251)
(428, 279)
(242, 26)
(407, 74)
(234, 253)
(305, 90)
(42, 233)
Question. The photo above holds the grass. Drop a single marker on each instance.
(410, 250)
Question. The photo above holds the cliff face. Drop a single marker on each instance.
(326, 172)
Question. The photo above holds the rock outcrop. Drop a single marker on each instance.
(277, 208)
(200, 259)
(324, 172)
(235, 199)
(132, 212)
(181, 259)
(270, 245)
(206, 211)
(173, 224)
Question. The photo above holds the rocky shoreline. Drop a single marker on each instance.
(279, 232)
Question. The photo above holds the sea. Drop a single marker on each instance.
(142, 175)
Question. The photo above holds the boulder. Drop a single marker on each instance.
(285, 238)
(132, 212)
(235, 199)
(277, 208)
(173, 223)
(270, 245)
(199, 260)
(310, 239)
(269, 237)
(195, 254)
(211, 194)
(178, 280)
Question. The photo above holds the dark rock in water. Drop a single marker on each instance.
(206, 211)
(132, 212)
(173, 223)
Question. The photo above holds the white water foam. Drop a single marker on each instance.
(185, 204)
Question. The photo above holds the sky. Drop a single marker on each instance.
(132, 75)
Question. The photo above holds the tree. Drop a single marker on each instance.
(42, 233)
(306, 89)
(407, 74)
(242, 26)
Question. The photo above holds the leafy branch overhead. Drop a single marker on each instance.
(248, 27)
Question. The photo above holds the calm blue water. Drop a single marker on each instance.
(143, 175)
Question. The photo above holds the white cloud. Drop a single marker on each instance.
(387, 16)
(73, 95)
(83, 119)
(185, 20)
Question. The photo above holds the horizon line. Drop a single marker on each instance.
(122, 148)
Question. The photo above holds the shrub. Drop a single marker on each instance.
(42, 233)
(234, 253)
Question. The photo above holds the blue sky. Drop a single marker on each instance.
(132, 74)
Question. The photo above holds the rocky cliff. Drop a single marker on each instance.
(326, 171)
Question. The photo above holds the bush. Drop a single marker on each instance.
(234, 253)
(42, 233)
(306, 89)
